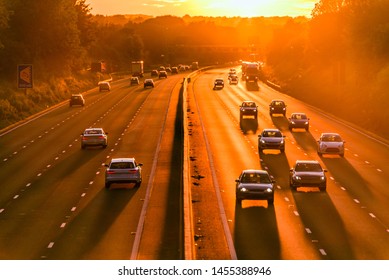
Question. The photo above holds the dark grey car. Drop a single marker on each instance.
(307, 173)
(299, 120)
(271, 138)
(254, 184)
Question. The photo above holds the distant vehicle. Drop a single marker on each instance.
(277, 106)
(248, 110)
(162, 74)
(104, 86)
(195, 65)
(94, 137)
(233, 80)
(219, 83)
(330, 143)
(168, 69)
(148, 83)
(174, 70)
(299, 120)
(251, 72)
(271, 138)
(161, 68)
(307, 173)
(254, 184)
(123, 170)
(134, 81)
(154, 73)
(77, 99)
(137, 68)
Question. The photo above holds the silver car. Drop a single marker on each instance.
(94, 137)
(307, 173)
(330, 143)
(271, 138)
(123, 170)
(254, 184)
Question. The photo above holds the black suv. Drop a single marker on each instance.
(277, 107)
(248, 110)
(76, 99)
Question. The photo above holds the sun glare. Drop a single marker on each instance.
(243, 8)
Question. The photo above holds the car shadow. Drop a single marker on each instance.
(318, 214)
(304, 139)
(280, 122)
(347, 176)
(256, 235)
(248, 125)
(85, 230)
(252, 86)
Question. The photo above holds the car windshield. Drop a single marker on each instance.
(256, 178)
(308, 167)
(278, 103)
(271, 134)
(122, 165)
(299, 117)
(331, 138)
(248, 104)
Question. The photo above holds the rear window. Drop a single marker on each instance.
(122, 165)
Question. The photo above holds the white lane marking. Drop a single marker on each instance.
(379, 170)
(372, 215)
(308, 230)
(323, 252)
(356, 200)
(63, 225)
(16, 196)
(296, 213)
(51, 244)
(2, 210)
(91, 182)
(73, 209)
(286, 199)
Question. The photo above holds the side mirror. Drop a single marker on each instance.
(140, 164)
(237, 180)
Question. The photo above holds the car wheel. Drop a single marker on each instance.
(307, 128)
(83, 147)
(292, 187)
(239, 202)
(342, 154)
(282, 150)
(104, 146)
(320, 154)
(137, 184)
(107, 185)
(270, 201)
(323, 188)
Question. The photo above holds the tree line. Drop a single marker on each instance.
(337, 59)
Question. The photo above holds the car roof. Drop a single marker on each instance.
(271, 129)
(122, 159)
(277, 100)
(307, 161)
(94, 128)
(149, 80)
(260, 171)
(330, 133)
(104, 82)
(297, 113)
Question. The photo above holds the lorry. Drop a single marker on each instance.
(137, 68)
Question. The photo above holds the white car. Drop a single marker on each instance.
(123, 170)
(330, 143)
(94, 137)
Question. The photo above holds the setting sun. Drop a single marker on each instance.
(214, 8)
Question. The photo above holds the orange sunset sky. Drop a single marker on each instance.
(228, 8)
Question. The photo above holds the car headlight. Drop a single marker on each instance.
(262, 141)
(293, 122)
(272, 109)
(322, 178)
(306, 122)
(243, 189)
(282, 141)
(269, 190)
(298, 178)
(284, 109)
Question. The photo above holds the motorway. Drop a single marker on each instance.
(349, 221)
(53, 204)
